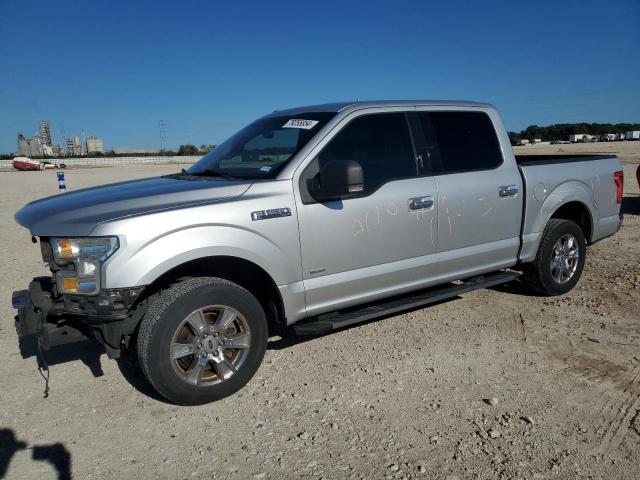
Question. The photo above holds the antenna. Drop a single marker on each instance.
(162, 126)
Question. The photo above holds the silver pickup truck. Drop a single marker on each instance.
(309, 219)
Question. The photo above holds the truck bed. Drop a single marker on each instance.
(558, 158)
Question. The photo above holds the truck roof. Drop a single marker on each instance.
(357, 105)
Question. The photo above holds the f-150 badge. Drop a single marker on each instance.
(271, 213)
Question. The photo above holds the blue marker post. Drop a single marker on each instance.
(61, 186)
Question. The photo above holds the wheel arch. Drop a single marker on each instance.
(577, 212)
(570, 200)
(249, 275)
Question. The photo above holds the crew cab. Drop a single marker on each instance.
(308, 219)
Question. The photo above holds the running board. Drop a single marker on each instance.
(335, 320)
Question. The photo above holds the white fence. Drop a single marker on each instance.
(110, 161)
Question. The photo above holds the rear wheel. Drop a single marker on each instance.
(202, 340)
(560, 259)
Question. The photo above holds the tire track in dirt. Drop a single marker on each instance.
(511, 332)
(626, 410)
(616, 395)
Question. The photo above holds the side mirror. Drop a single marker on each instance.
(337, 179)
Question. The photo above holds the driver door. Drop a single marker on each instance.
(381, 243)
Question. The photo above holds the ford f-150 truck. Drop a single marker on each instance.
(308, 219)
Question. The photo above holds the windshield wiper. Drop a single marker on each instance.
(210, 172)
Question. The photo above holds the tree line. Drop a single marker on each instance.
(561, 131)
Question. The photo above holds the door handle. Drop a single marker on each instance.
(420, 203)
(508, 191)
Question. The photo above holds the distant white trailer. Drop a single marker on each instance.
(537, 140)
(578, 137)
(632, 135)
(524, 141)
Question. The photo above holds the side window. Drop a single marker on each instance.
(380, 143)
(466, 141)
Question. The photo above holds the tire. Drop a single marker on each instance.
(540, 275)
(202, 340)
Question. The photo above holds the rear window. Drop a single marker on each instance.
(465, 141)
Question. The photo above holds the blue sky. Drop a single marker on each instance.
(115, 68)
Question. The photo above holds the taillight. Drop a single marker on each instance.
(618, 177)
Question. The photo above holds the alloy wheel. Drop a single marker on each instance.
(210, 345)
(564, 258)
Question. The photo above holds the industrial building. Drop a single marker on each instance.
(94, 145)
(23, 146)
(29, 147)
(41, 144)
(74, 147)
(45, 133)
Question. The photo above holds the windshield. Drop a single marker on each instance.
(263, 148)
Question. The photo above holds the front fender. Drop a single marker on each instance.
(144, 263)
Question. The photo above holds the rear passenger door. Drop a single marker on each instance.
(479, 194)
(380, 243)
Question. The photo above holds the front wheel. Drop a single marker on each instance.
(560, 259)
(202, 340)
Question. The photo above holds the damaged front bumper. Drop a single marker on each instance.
(57, 320)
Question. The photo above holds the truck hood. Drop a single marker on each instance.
(77, 213)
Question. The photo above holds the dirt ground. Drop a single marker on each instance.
(403, 397)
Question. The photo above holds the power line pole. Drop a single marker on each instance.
(162, 126)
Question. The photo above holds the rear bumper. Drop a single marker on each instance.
(62, 319)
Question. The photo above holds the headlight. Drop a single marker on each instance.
(87, 254)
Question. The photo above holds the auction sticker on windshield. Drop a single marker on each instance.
(300, 123)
